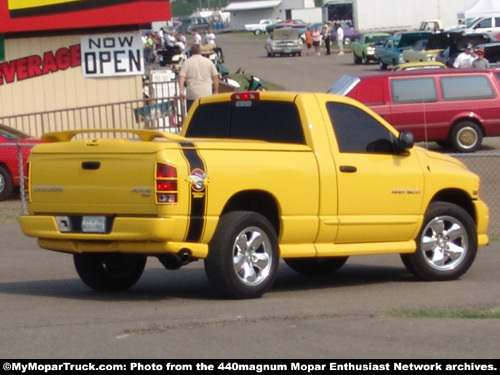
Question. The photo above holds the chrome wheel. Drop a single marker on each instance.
(243, 255)
(252, 256)
(444, 243)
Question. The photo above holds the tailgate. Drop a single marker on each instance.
(107, 177)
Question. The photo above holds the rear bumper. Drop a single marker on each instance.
(137, 235)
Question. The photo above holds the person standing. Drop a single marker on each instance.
(196, 38)
(210, 37)
(340, 39)
(309, 40)
(326, 37)
(198, 77)
(480, 62)
(316, 39)
(465, 58)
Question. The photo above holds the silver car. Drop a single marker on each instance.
(284, 41)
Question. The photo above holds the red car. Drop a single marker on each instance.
(9, 165)
(453, 107)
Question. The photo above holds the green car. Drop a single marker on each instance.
(364, 48)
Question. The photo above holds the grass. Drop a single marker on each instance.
(446, 314)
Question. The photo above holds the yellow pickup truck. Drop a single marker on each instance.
(253, 177)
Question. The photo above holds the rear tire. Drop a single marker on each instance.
(109, 272)
(466, 136)
(243, 256)
(446, 244)
(6, 184)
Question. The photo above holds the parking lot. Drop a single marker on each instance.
(47, 312)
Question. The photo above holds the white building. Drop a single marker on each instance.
(246, 12)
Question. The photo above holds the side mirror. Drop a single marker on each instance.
(405, 141)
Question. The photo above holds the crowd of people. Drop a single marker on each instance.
(162, 39)
(314, 37)
(471, 58)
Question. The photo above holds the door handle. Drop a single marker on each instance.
(348, 169)
(91, 165)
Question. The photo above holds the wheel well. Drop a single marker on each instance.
(458, 197)
(470, 119)
(256, 201)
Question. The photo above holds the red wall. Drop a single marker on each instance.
(83, 14)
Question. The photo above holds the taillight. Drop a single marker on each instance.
(166, 183)
(27, 189)
(245, 96)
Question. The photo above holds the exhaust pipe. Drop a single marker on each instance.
(175, 261)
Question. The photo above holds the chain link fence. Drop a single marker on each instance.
(486, 165)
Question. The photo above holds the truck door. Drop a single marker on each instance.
(380, 192)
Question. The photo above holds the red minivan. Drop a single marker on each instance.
(455, 107)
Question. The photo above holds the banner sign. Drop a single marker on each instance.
(36, 15)
(112, 55)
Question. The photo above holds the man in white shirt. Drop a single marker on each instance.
(198, 77)
(464, 59)
(210, 37)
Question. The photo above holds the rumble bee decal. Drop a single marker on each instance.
(198, 179)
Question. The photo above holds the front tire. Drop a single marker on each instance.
(446, 244)
(243, 256)
(109, 272)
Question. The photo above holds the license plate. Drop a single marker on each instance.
(288, 50)
(94, 224)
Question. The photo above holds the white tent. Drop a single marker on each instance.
(483, 8)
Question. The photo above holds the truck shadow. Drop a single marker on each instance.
(191, 283)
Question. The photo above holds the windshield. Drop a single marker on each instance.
(11, 134)
(344, 85)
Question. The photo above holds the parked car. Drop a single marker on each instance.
(420, 65)
(363, 49)
(289, 24)
(457, 44)
(9, 158)
(391, 52)
(259, 28)
(429, 49)
(350, 34)
(192, 23)
(455, 107)
(284, 42)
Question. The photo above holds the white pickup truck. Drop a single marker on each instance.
(259, 28)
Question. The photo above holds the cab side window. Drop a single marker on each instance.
(358, 132)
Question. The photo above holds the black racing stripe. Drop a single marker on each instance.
(198, 204)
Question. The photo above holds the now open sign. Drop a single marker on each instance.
(110, 55)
